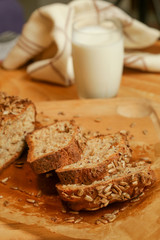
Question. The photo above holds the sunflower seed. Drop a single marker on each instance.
(30, 200)
(107, 215)
(122, 188)
(110, 165)
(97, 222)
(112, 170)
(115, 196)
(116, 211)
(5, 112)
(39, 194)
(115, 163)
(135, 199)
(88, 198)
(75, 197)
(142, 194)
(123, 132)
(63, 211)
(78, 220)
(118, 189)
(70, 219)
(56, 219)
(104, 221)
(123, 183)
(112, 218)
(74, 212)
(65, 195)
(105, 201)
(135, 183)
(107, 189)
(35, 204)
(146, 159)
(99, 188)
(126, 195)
(80, 192)
(123, 208)
(14, 188)
(115, 191)
(4, 181)
(108, 194)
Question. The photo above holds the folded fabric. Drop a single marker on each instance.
(46, 40)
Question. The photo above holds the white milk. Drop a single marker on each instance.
(98, 61)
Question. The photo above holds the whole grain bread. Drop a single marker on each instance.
(119, 187)
(17, 119)
(53, 146)
(102, 155)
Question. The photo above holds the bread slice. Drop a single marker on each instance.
(119, 187)
(102, 155)
(53, 146)
(17, 119)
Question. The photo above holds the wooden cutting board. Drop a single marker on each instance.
(30, 207)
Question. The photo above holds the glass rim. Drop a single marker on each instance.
(116, 22)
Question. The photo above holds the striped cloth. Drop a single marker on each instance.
(46, 40)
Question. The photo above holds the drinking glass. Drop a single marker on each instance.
(97, 50)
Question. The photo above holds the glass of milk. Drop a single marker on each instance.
(97, 50)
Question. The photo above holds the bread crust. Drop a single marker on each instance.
(11, 115)
(51, 161)
(88, 174)
(100, 194)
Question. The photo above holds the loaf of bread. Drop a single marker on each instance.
(122, 186)
(102, 155)
(53, 146)
(17, 119)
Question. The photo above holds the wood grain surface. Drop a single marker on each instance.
(134, 84)
(20, 220)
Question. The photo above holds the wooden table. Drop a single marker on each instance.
(134, 84)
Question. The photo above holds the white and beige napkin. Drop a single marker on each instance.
(46, 40)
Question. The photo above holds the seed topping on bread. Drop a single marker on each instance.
(101, 155)
(11, 105)
(17, 119)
